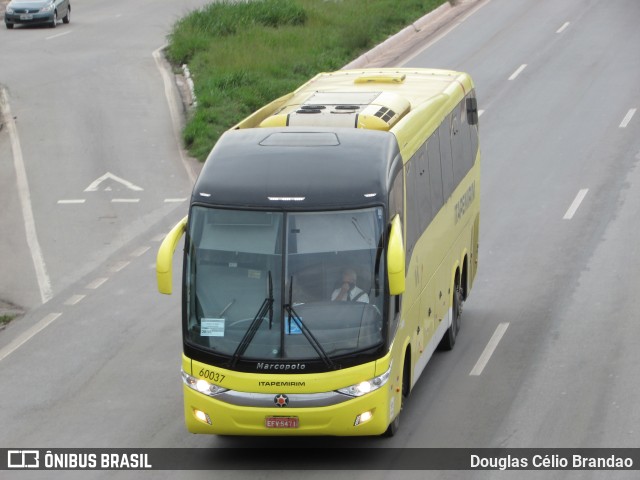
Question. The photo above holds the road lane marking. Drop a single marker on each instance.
(119, 266)
(139, 251)
(28, 335)
(174, 200)
(563, 27)
(489, 349)
(159, 238)
(71, 201)
(518, 71)
(58, 35)
(627, 118)
(97, 283)
(576, 204)
(74, 299)
(125, 200)
(480, 112)
(93, 186)
(24, 194)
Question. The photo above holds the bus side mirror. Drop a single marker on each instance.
(396, 258)
(164, 260)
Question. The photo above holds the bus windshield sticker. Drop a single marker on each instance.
(291, 327)
(212, 327)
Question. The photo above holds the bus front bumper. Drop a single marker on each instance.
(369, 414)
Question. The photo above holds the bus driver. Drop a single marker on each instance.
(349, 292)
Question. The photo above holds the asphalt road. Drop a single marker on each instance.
(564, 373)
(87, 100)
(558, 84)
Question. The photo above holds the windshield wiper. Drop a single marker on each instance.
(266, 307)
(313, 341)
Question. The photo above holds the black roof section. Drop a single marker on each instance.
(299, 168)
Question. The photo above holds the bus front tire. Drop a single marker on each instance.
(394, 426)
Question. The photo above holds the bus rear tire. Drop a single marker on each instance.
(449, 339)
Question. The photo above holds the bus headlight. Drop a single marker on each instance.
(202, 386)
(367, 386)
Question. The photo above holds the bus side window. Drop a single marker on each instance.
(468, 157)
(411, 207)
(460, 145)
(435, 173)
(471, 105)
(456, 150)
(446, 161)
(419, 210)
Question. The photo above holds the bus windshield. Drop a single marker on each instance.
(266, 285)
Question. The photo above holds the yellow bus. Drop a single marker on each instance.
(331, 239)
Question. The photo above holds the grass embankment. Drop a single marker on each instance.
(244, 55)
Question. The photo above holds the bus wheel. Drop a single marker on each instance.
(449, 339)
(394, 426)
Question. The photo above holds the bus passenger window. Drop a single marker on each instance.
(446, 162)
(435, 174)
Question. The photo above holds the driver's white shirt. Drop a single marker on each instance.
(353, 293)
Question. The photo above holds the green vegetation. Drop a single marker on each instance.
(243, 55)
(5, 319)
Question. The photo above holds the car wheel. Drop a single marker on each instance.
(9, 25)
(54, 22)
(67, 17)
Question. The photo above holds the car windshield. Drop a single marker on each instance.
(286, 286)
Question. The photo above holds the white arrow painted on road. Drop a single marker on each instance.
(94, 186)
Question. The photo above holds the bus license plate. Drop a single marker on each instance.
(281, 422)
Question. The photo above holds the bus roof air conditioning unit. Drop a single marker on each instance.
(368, 110)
